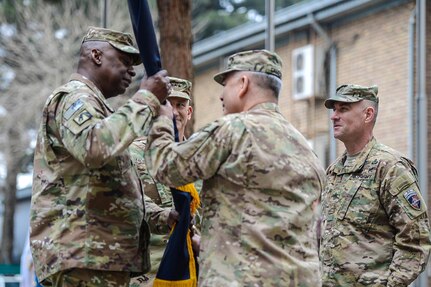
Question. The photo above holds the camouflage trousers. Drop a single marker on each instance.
(146, 280)
(87, 278)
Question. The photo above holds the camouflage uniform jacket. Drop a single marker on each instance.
(158, 202)
(375, 229)
(87, 205)
(260, 182)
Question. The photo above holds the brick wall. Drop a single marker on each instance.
(372, 49)
(206, 96)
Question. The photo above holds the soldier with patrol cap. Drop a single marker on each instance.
(158, 198)
(260, 181)
(87, 209)
(375, 229)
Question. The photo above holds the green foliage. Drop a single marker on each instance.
(216, 21)
(257, 5)
(8, 8)
(211, 17)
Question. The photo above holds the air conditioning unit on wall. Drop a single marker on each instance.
(307, 72)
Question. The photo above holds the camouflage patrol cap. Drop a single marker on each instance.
(353, 93)
(119, 40)
(261, 61)
(180, 88)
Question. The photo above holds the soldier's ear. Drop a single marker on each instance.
(189, 112)
(370, 114)
(96, 56)
(244, 85)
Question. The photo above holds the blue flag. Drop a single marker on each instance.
(178, 266)
(143, 28)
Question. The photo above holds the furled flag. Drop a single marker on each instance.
(178, 267)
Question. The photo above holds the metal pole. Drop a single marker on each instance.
(269, 11)
(422, 139)
(332, 80)
(104, 13)
(411, 88)
(332, 90)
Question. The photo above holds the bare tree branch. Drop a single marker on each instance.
(42, 53)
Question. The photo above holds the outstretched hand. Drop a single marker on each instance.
(196, 240)
(166, 110)
(157, 84)
(173, 217)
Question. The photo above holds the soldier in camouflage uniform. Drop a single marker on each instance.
(87, 209)
(158, 198)
(260, 181)
(375, 229)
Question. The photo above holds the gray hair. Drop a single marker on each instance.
(374, 105)
(267, 81)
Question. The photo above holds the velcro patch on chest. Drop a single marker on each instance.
(413, 199)
(82, 117)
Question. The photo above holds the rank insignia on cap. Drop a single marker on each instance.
(82, 117)
(413, 199)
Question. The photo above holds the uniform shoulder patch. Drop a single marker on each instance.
(413, 199)
(73, 108)
(82, 117)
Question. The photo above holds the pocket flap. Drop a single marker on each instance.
(401, 183)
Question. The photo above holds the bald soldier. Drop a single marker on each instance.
(87, 209)
(158, 198)
(375, 229)
(260, 181)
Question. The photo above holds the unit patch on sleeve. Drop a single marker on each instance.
(82, 117)
(413, 199)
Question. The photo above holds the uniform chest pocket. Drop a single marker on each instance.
(359, 203)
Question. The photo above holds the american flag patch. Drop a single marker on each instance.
(72, 109)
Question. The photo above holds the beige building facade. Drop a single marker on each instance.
(381, 42)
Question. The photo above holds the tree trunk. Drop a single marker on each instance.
(9, 192)
(175, 28)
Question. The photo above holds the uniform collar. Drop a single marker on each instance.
(360, 159)
(266, 106)
(91, 86)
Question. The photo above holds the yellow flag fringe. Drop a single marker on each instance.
(192, 281)
(196, 202)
